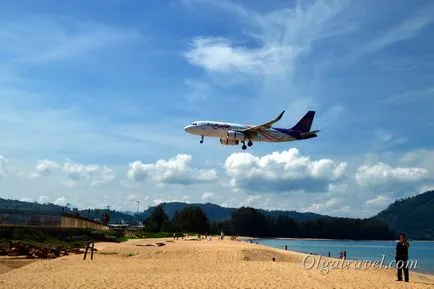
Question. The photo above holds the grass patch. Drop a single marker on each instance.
(146, 235)
(58, 237)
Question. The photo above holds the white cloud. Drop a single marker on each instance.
(45, 167)
(207, 197)
(220, 55)
(270, 47)
(379, 201)
(43, 200)
(323, 206)
(419, 157)
(338, 188)
(94, 174)
(76, 174)
(157, 201)
(282, 172)
(382, 174)
(257, 201)
(4, 163)
(61, 201)
(176, 170)
(281, 36)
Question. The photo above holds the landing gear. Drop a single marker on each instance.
(250, 143)
(201, 139)
(244, 145)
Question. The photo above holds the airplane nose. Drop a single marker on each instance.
(187, 128)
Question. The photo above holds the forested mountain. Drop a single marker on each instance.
(114, 216)
(413, 216)
(247, 221)
(213, 212)
(218, 213)
(28, 206)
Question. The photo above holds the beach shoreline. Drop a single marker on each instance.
(429, 272)
(195, 264)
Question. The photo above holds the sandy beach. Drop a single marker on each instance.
(194, 264)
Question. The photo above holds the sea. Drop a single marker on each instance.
(420, 251)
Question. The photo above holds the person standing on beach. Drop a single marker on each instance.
(401, 257)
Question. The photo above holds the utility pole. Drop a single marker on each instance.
(138, 219)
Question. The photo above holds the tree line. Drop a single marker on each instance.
(247, 221)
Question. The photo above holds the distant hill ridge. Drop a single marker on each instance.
(413, 216)
(213, 211)
(218, 213)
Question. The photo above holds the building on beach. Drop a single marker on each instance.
(22, 218)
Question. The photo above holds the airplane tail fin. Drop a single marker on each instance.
(305, 122)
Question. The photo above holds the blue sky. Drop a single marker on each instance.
(95, 96)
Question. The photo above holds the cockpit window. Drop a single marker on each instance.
(194, 123)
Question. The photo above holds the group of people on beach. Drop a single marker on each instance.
(343, 254)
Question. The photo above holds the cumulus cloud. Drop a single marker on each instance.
(76, 173)
(333, 205)
(420, 157)
(282, 172)
(95, 174)
(43, 200)
(207, 197)
(176, 170)
(45, 167)
(382, 174)
(61, 201)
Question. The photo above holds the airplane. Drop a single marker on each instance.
(233, 133)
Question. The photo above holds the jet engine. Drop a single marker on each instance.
(226, 141)
(236, 135)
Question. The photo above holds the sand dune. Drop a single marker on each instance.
(194, 264)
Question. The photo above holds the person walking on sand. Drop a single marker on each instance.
(401, 257)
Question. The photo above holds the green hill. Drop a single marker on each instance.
(413, 216)
(115, 216)
(214, 212)
(218, 213)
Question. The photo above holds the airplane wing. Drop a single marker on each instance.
(251, 131)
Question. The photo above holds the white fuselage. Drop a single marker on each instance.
(221, 129)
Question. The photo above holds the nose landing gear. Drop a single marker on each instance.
(201, 139)
(250, 143)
